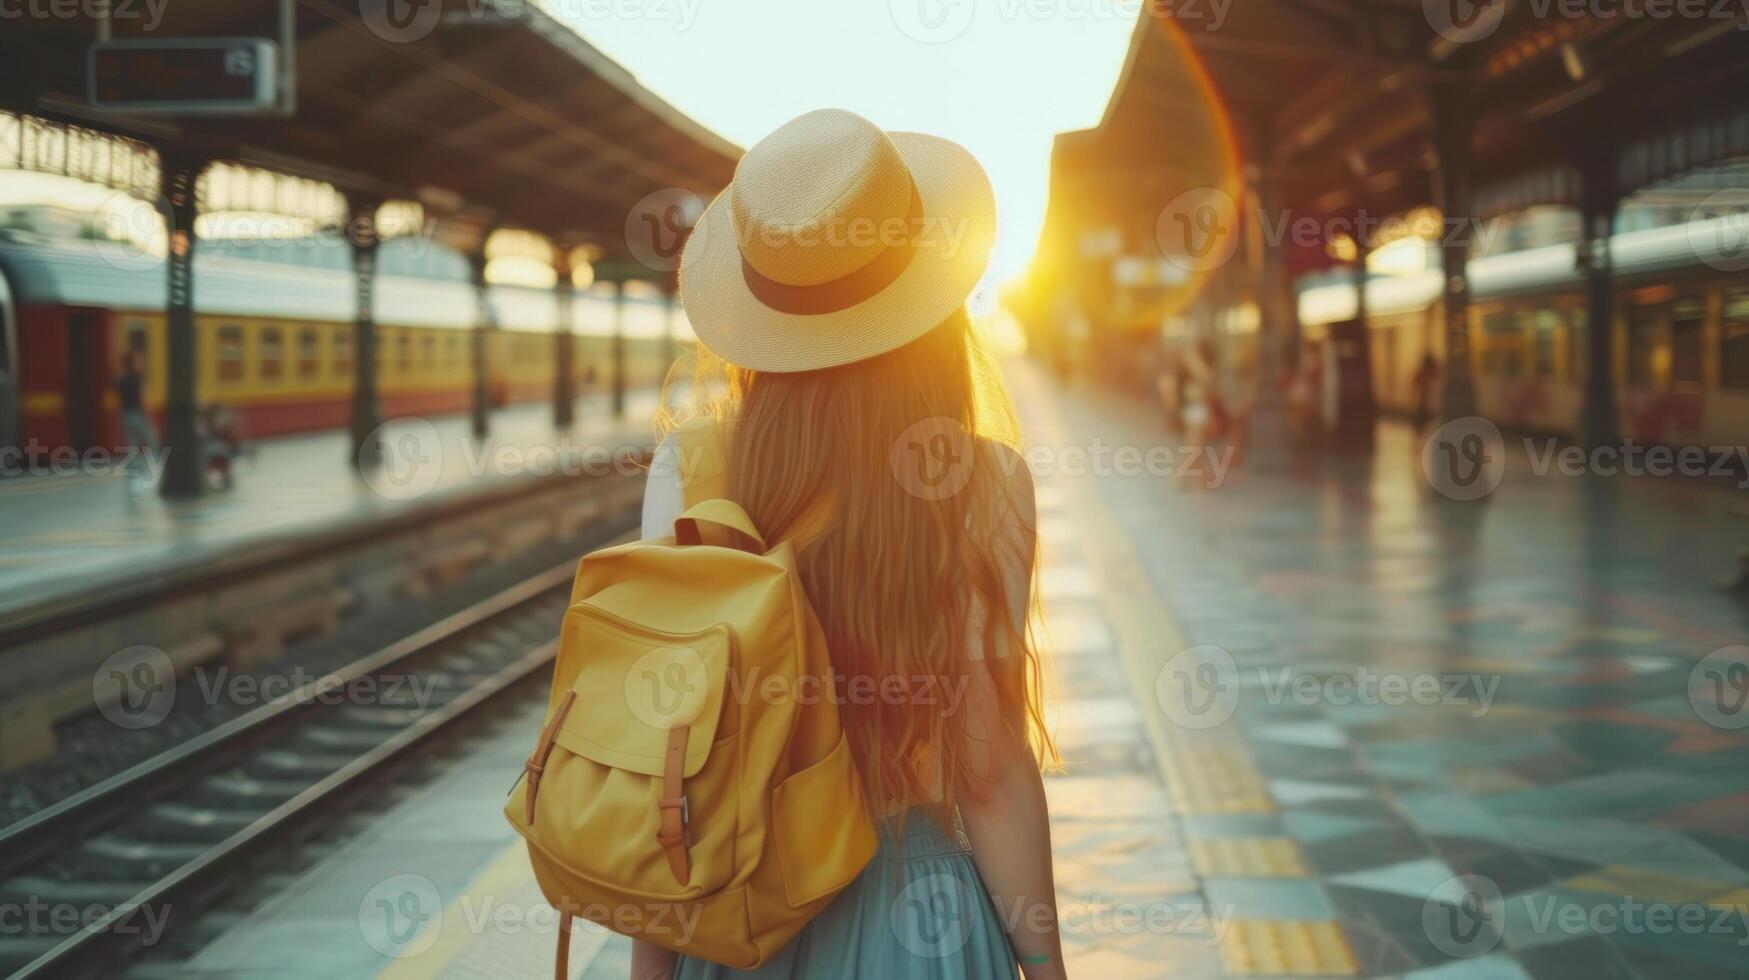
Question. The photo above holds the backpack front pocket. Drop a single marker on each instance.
(637, 745)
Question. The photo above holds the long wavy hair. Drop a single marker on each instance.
(907, 579)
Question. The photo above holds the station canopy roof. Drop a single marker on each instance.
(1331, 97)
(497, 113)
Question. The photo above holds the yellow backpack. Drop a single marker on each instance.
(692, 786)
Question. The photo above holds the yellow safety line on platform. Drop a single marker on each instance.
(1276, 948)
(1207, 772)
(1248, 857)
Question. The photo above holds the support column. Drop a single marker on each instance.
(367, 415)
(1275, 291)
(1356, 406)
(1453, 124)
(619, 348)
(482, 409)
(1600, 425)
(564, 345)
(184, 474)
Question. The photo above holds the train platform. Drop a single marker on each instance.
(1318, 720)
(82, 531)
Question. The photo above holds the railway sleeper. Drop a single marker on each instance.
(145, 860)
(181, 822)
(86, 892)
(297, 764)
(444, 565)
(516, 537)
(264, 637)
(27, 724)
(238, 791)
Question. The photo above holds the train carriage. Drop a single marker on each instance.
(1681, 345)
(274, 329)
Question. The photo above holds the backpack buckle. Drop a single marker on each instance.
(677, 803)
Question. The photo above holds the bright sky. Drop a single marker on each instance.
(1001, 77)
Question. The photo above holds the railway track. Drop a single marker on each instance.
(112, 870)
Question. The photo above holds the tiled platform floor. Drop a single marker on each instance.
(63, 534)
(1409, 736)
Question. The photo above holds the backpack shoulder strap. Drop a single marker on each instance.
(702, 448)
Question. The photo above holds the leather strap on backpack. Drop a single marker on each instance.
(537, 761)
(671, 833)
(562, 971)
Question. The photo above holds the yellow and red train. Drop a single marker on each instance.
(274, 327)
(1681, 345)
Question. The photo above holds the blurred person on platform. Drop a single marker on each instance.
(136, 426)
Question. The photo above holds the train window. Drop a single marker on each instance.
(230, 353)
(455, 348)
(1734, 341)
(342, 352)
(1642, 345)
(1502, 341)
(404, 353)
(1687, 321)
(309, 352)
(1542, 326)
(272, 353)
(1576, 341)
(427, 351)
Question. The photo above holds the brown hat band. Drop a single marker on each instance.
(847, 290)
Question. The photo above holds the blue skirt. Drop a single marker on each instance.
(919, 911)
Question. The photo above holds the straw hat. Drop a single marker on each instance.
(835, 242)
